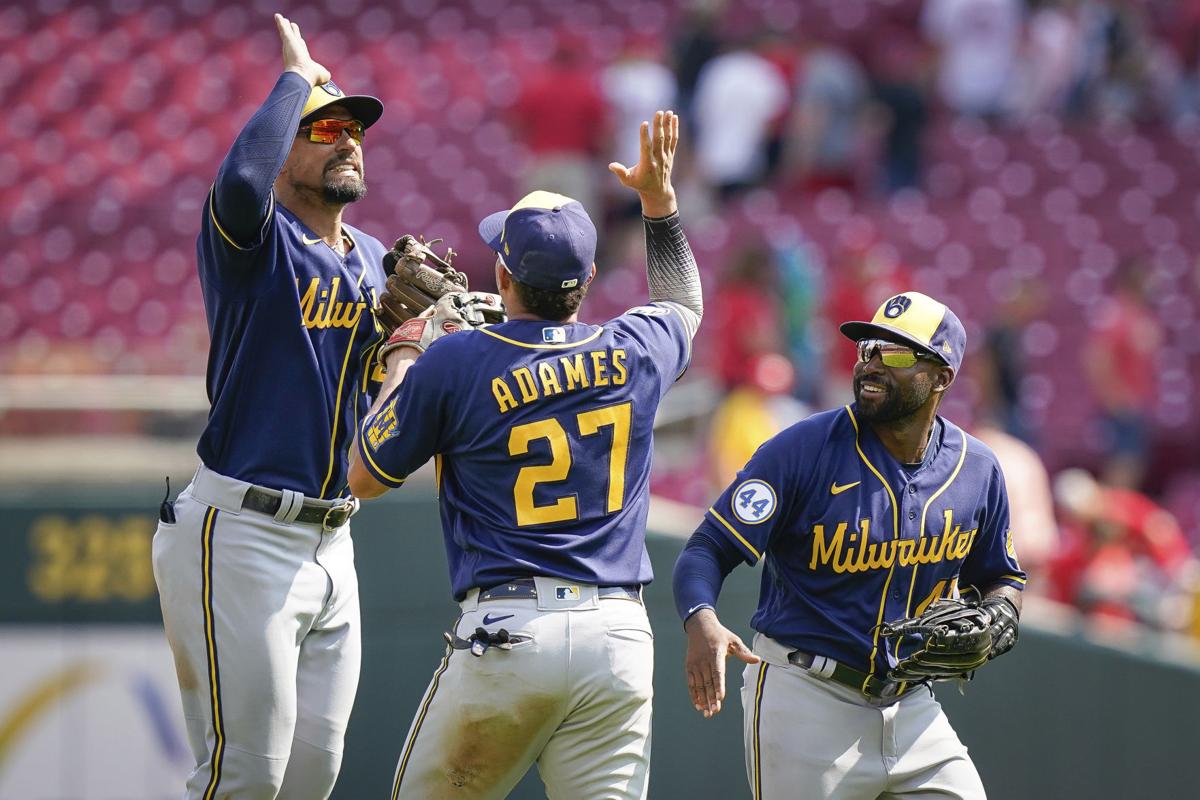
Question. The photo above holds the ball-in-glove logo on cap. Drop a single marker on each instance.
(897, 306)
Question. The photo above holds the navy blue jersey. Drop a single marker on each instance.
(543, 434)
(293, 341)
(852, 538)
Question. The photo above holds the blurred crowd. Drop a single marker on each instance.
(801, 115)
(774, 109)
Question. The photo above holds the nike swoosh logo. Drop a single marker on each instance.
(307, 240)
(835, 489)
(488, 619)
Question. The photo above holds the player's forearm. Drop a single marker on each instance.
(362, 483)
(1006, 592)
(671, 270)
(245, 178)
(699, 572)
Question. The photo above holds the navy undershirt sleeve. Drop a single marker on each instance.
(701, 568)
(243, 190)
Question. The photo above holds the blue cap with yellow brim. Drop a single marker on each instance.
(364, 108)
(918, 320)
(546, 240)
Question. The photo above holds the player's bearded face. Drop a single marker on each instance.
(888, 395)
(343, 179)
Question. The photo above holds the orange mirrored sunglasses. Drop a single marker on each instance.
(328, 131)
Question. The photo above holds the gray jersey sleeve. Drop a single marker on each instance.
(671, 270)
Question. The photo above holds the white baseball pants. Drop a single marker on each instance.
(263, 619)
(809, 737)
(574, 697)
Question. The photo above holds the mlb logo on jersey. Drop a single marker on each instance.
(566, 592)
(554, 335)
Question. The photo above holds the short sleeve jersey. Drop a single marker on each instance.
(543, 437)
(293, 341)
(852, 538)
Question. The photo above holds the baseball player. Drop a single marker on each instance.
(541, 428)
(863, 515)
(254, 563)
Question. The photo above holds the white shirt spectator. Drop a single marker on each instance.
(738, 95)
(978, 40)
(830, 96)
(1053, 62)
(635, 88)
(1031, 501)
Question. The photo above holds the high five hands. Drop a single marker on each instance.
(295, 53)
(650, 177)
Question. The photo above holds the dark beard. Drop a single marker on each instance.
(898, 404)
(347, 191)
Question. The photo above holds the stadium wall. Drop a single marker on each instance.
(89, 709)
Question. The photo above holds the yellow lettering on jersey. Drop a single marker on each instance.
(620, 373)
(503, 394)
(332, 296)
(936, 594)
(882, 558)
(845, 563)
(566, 374)
(964, 544)
(599, 368)
(944, 540)
(849, 551)
(926, 554)
(320, 308)
(823, 553)
(860, 563)
(575, 371)
(525, 383)
(549, 379)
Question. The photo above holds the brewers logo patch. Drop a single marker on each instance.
(754, 501)
(896, 306)
(1010, 547)
(383, 426)
(332, 88)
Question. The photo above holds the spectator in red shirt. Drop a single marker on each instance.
(1121, 370)
(748, 320)
(1122, 555)
(562, 118)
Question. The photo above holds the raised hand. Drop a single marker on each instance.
(650, 177)
(295, 53)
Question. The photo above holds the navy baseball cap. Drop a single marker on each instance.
(546, 240)
(366, 109)
(915, 319)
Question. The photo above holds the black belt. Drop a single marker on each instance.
(525, 589)
(329, 514)
(869, 685)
